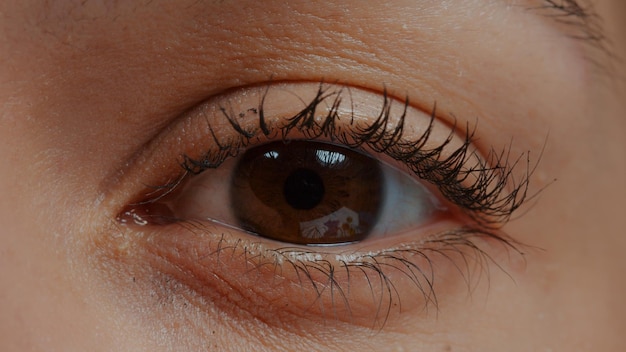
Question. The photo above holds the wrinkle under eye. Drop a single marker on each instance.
(307, 193)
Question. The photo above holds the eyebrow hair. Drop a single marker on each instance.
(582, 17)
(586, 26)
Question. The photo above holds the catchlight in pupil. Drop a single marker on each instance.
(307, 192)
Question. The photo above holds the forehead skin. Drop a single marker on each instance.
(84, 85)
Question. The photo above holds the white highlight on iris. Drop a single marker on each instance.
(272, 154)
(330, 159)
(344, 221)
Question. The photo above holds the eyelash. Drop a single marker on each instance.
(489, 200)
(484, 189)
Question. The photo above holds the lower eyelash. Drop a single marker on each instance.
(484, 188)
(329, 280)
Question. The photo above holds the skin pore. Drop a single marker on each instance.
(100, 99)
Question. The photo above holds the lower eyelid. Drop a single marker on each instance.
(356, 284)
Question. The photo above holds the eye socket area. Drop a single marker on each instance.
(359, 283)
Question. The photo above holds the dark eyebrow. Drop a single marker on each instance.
(582, 23)
(586, 23)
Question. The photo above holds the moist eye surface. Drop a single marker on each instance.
(307, 193)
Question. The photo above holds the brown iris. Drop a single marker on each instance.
(307, 192)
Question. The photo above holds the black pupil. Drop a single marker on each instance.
(304, 189)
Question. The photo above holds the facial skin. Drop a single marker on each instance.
(87, 89)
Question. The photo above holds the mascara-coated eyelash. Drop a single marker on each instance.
(484, 188)
(360, 283)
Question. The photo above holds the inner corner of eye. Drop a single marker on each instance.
(301, 192)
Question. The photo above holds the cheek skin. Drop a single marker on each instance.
(216, 322)
(47, 296)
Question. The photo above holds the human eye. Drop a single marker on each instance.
(322, 202)
(301, 192)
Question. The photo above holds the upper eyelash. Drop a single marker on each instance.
(484, 189)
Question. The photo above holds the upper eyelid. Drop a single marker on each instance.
(187, 122)
(492, 200)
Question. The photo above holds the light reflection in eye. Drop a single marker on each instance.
(343, 223)
(272, 154)
(329, 158)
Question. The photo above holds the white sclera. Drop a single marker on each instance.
(407, 203)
